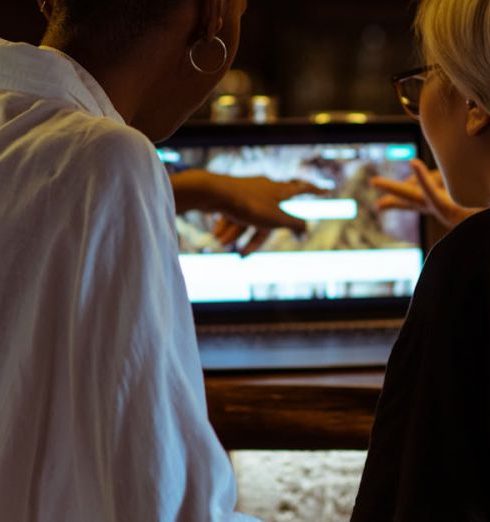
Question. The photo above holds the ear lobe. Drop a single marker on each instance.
(220, 24)
(477, 121)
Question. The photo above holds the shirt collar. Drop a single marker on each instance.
(49, 73)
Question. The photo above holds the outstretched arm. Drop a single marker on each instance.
(243, 202)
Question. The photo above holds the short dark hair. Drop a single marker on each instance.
(111, 26)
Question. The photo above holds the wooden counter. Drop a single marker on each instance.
(320, 410)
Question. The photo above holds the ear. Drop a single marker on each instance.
(477, 119)
(212, 17)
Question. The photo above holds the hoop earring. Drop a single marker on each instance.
(199, 69)
(43, 6)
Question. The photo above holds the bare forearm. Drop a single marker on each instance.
(192, 190)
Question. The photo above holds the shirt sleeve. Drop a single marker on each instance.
(144, 449)
(429, 455)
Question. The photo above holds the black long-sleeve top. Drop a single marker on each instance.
(429, 455)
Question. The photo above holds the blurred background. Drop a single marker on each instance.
(317, 55)
(310, 55)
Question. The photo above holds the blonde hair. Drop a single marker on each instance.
(455, 35)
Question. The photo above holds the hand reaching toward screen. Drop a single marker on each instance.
(242, 202)
(425, 192)
(255, 202)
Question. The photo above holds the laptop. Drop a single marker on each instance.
(334, 298)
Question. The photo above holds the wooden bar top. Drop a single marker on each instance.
(331, 409)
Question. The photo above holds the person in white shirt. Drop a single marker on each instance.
(102, 406)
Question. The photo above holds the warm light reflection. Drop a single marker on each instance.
(356, 117)
(322, 118)
(227, 101)
(262, 100)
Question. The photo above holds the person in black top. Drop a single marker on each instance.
(429, 454)
(430, 448)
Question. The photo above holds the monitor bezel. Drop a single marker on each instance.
(301, 132)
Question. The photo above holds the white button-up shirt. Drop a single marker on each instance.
(102, 407)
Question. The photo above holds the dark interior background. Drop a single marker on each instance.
(328, 54)
(314, 55)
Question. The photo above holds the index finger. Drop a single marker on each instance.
(296, 187)
(428, 184)
(407, 191)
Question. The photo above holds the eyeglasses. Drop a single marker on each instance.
(408, 88)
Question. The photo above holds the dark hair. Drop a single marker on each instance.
(107, 27)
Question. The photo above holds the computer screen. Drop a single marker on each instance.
(349, 250)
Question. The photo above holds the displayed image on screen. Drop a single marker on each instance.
(349, 250)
